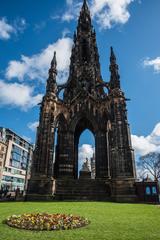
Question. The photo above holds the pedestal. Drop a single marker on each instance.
(84, 175)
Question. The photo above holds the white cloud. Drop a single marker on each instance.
(67, 17)
(72, 11)
(151, 143)
(33, 125)
(154, 138)
(6, 29)
(65, 32)
(106, 13)
(36, 66)
(142, 145)
(155, 63)
(69, 2)
(85, 151)
(110, 12)
(18, 95)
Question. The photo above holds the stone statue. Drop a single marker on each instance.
(85, 166)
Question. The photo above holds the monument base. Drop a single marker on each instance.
(40, 188)
(123, 190)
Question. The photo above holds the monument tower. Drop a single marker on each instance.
(88, 103)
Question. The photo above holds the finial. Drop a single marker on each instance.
(85, 5)
(54, 63)
(51, 82)
(115, 78)
(85, 17)
(112, 57)
(84, 2)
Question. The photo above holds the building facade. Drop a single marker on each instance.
(88, 103)
(3, 150)
(17, 157)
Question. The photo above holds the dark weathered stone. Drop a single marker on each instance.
(85, 105)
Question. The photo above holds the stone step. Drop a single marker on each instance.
(87, 189)
(96, 197)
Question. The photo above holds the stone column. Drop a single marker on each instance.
(101, 155)
(65, 155)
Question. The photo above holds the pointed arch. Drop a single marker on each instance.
(82, 121)
(81, 124)
(61, 122)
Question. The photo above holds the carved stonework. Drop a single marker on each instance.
(85, 104)
(85, 166)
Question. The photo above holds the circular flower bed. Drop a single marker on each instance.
(45, 221)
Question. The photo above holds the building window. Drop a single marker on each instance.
(26, 146)
(15, 164)
(16, 157)
(154, 190)
(17, 140)
(148, 191)
(19, 158)
(17, 150)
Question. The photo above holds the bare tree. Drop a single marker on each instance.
(150, 164)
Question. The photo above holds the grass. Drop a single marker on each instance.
(109, 221)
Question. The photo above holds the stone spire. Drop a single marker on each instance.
(51, 88)
(85, 6)
(84, 22)
(115, 77)
(84, 2)
(54, 64)
(85, 67)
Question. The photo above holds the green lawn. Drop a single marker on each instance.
(111, 221)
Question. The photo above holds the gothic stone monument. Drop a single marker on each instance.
(85, 172)
(88, 103)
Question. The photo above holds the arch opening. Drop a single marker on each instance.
(85, 150)
(86, 153)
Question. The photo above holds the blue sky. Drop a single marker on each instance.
(31, 30)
